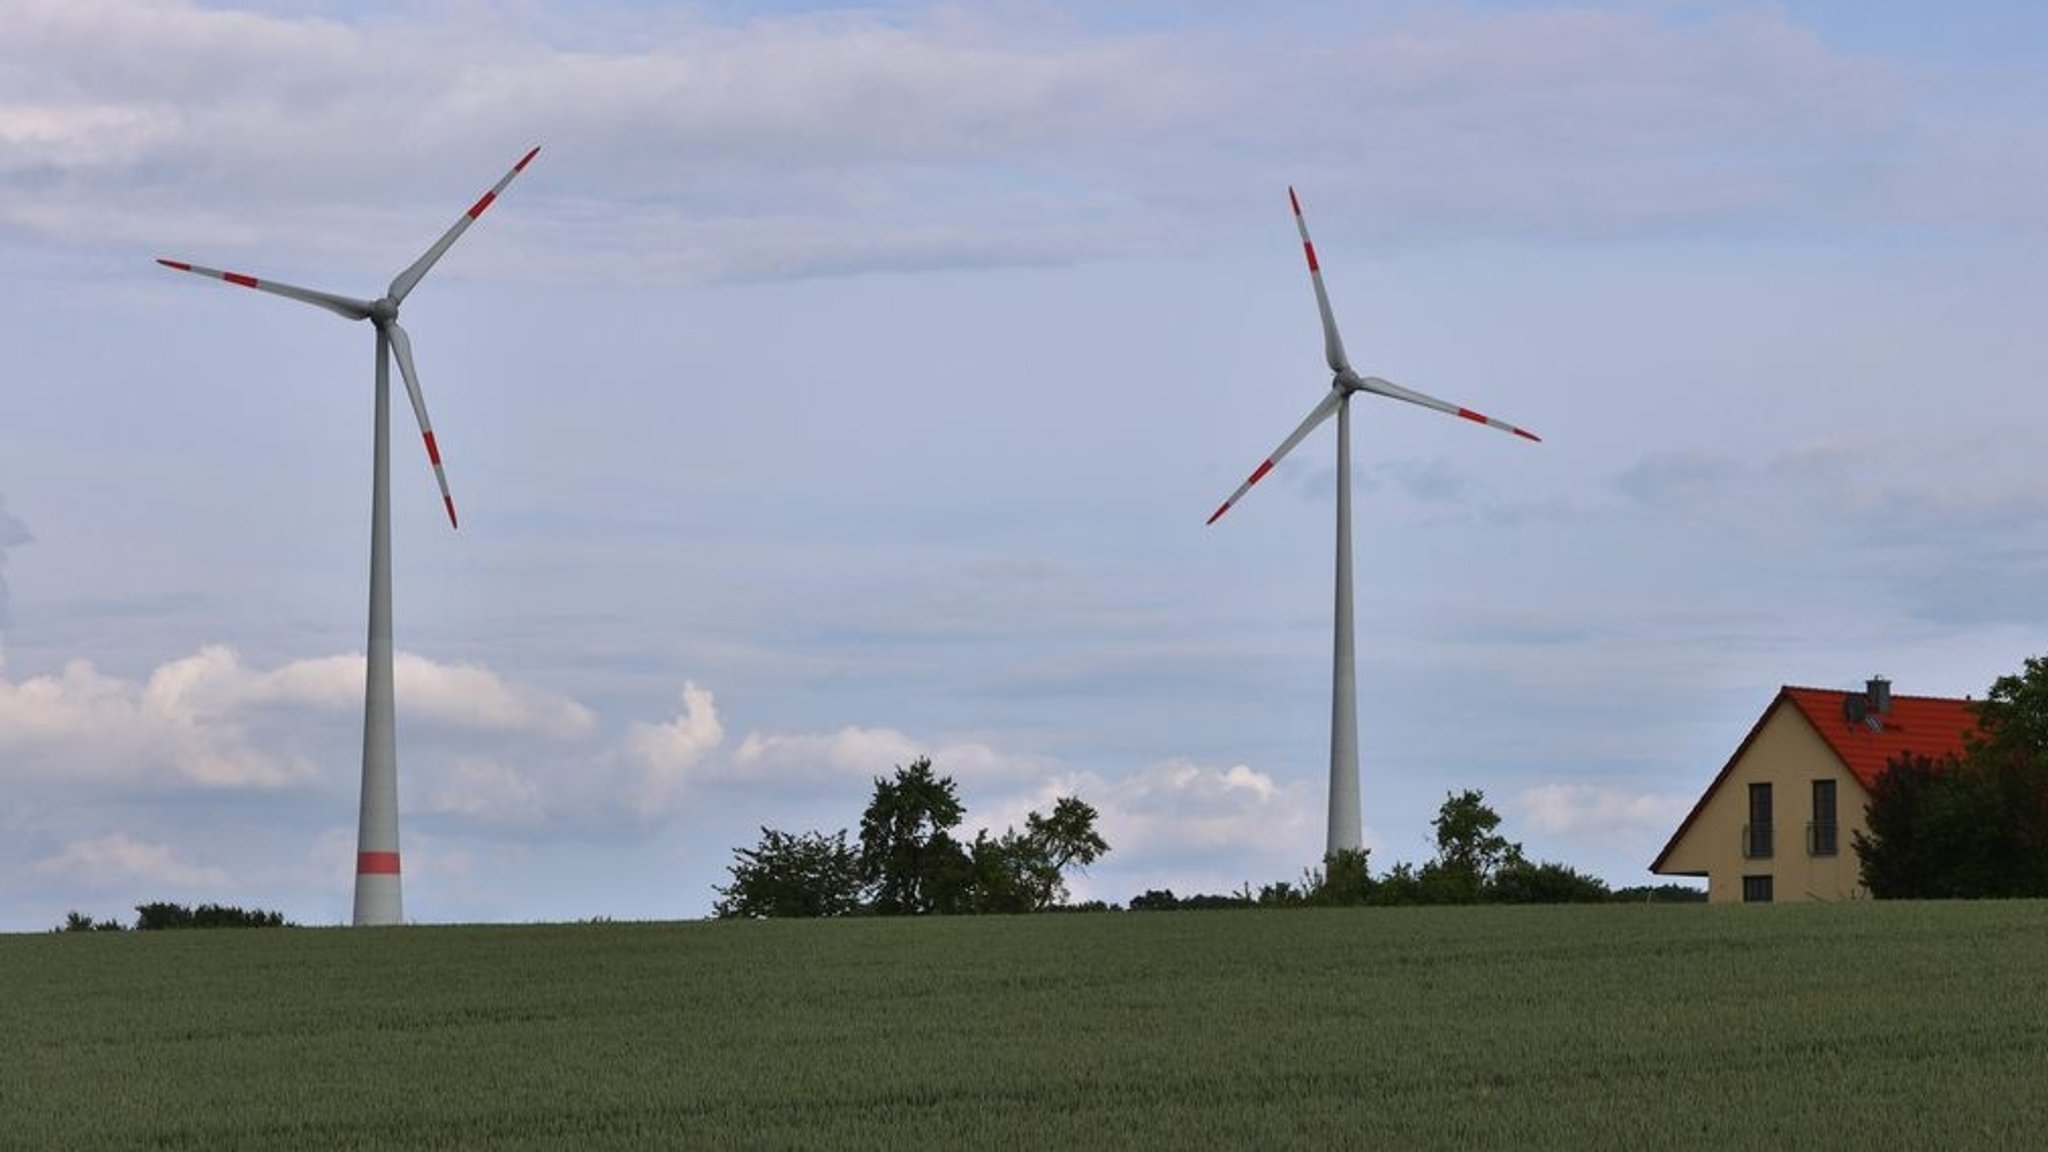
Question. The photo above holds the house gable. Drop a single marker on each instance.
(1781, 734)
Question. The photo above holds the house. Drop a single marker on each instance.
(1779, 823)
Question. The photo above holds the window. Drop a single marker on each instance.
(1756, 889)
(1756, 835)
(1823, 835)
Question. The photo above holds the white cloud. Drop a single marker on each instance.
(81, 723)
(860, 752)
(195, 719)
(670, 753)
(1170, 812)
(459, 695)
(119, 861)
(1594, 812)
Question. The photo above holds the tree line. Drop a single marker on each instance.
(160, 915)
(908, 861)
(1474, 864)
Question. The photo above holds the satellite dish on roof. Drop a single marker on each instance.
(1856, 708)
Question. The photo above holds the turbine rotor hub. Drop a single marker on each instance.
(384, 310)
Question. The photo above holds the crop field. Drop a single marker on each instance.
(1851, 1026)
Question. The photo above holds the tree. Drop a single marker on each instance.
(1345, 879)
(908, 859)
(1155, 900)
(1004, 875)
(1974, 826)
(1027, 873)
(1066, 839)
(1468, 850)
(1401, 885)
(1911, 828)
(2009, 753)
(1521, 882)
(784, 875)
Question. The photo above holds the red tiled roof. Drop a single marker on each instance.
(1921, 725)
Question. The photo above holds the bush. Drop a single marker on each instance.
(1524, 883)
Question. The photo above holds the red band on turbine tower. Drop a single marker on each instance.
(376, 863)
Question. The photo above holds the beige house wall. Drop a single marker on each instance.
(1789, 755)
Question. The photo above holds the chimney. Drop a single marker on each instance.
(1879, 690)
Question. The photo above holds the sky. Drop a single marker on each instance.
(843, 384)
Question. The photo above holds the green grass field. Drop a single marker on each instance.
(1848, 1026)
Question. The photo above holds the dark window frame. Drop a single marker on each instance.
(1757, 889)
(1824, 833)
(1757, 835)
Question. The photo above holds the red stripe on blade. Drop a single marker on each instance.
(433, 452)
(450, 502)
(238, 278)
(1218, 513)
(1311, 250)
(521, 166)
(1469, 414)
(376, 863)
(477, 209)
(1528, 435)
(1292, 200)
(174, 264)
(1261, 470)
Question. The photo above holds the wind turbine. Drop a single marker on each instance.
(378, 897)
(1345, 834)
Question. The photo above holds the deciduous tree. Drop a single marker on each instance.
(1469, 850)
(908, 857)
(807, 875)
(1972, 827)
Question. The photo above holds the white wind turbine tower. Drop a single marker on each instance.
(378, 895)
(1344, 815)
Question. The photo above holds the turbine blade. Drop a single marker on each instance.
(408, 279)
(1387, 388)
(1317, 415)
(346, 306)
(401, 345)
(1333, 344)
